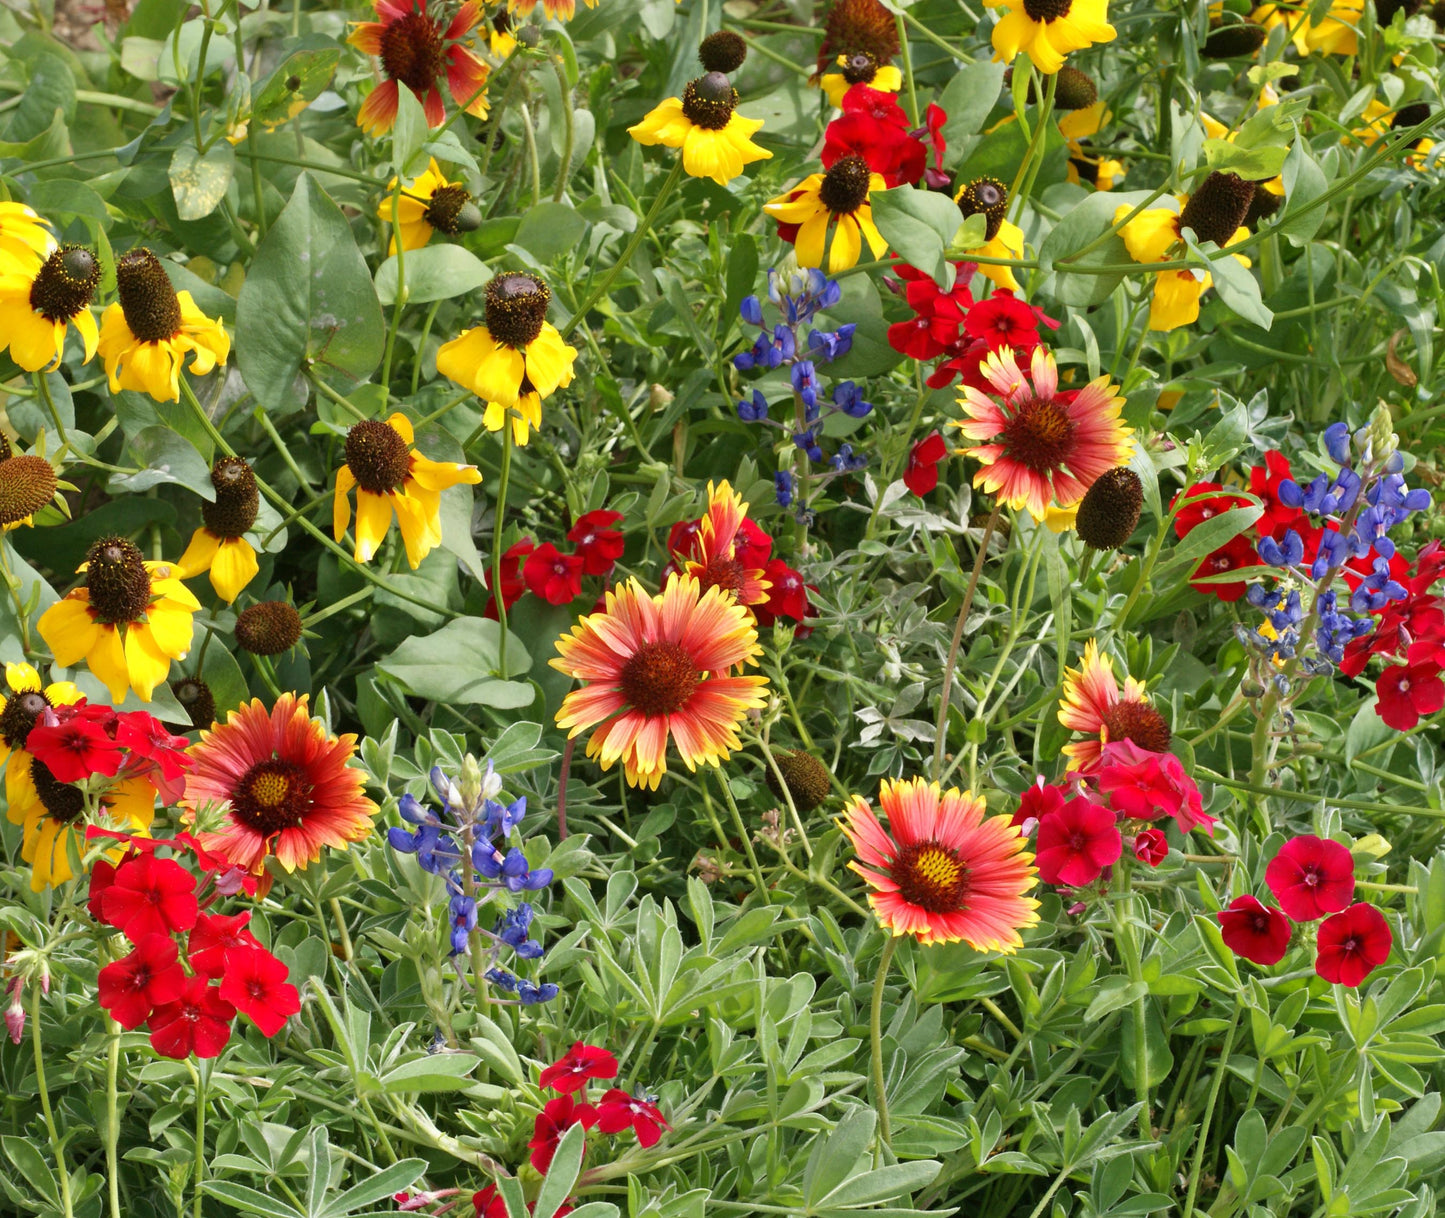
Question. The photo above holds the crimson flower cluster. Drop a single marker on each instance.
(787, 594)
(84, 740)
(1313, 879)
(1083, 826)
(188, 972)
(548, 574)
(874, 126)
(616, 1111)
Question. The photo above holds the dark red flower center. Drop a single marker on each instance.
(19, 716)
(272, 795)
(659, 678)
(931, 876)
(412, 51)
(725, 573)
(1139, 723)
(1039, 436)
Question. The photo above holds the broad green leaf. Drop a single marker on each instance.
(199, 181)
(31, 1164)
(248, 1200)
(1263, 161)
(967, 100)
(165, 456)
(408, 134)
(1081, 226)
(1304, 181)
(435, 1072)
(295, 84)
(1211, 534)
(562, 1175)
(459, 664)
(384, 1184)
(835, 1155)
(919, 225)
(434, 272)
(550, 229)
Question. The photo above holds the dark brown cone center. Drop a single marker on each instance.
(146, 296)
(20, 715)
(723, 51)
(516, 308)
(1217, 209)
(860, 68)
(65, 284)
(1110, 509)
(272, 795)
(844, 188)
(412, 52)
(708, 101)
(452, 211)
(1039, 436)
(1047, 10)
(196, 699)
(63, 802)
(806, 778)
(117, 581)
(269, 628)
(1139, 723)
(27, 484)
(988, 197)
(932, 877)
(238, 500)
(659, 678)
(377, 456)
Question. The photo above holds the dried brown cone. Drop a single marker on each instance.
(1237, 41)
(1218, 207)
(269, 628)
(806, 777)
(723, 51)
(857, 25)
(1109, 511)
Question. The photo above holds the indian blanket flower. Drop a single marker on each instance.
(287, 786)
(1351, 944)
(1215, 212)
(988, 197)
(419, 48)
(1254, 930)
(128, 619)
(580, 1063)
(392, 477)
(1047, 30)
(146, 335)
(427, 205)
(219, 545)
(24, 236)
(1093, 703)
(29, 698)
(657, 668)
(837, 199)
(859, 68)
(39, 304)
(515, 358)
(1311, 877)
(944, 871)
(1035, 444)
(1076, 842)
(719, 554)
(716, 141)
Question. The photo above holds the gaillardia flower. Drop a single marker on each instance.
(860, 68)
(24, 236)
(716, 141)
(1003, 238)
(38, 305)
(715, 562)
(419, 49)
(128, 620)
(145, 335)
(1040, 446)
(219, 545)
(391, 476)
(20, 710)
(1094, 704)
(427, 205)
(656, 667)
(515, 358)
(840, 197)
(287, 786)
(1047, 30)
(949, 872)
(56, 821)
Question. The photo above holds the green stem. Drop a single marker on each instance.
(57, 1147)
(399, 304)
(529, 142)
(200, 1158)
(112, 1117)
(907, 67)
(497, 526)
(1219, 1072)
(416, 363)
(1129, 950)
(569, 133)
(875, 1032)
(743, 835)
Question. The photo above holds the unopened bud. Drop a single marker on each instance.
(1383, 440)
(15, 1012)
(470, 785)
(659, 397)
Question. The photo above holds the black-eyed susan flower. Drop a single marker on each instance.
(39, 304)
(55, 823)
(20, 710)
(1378, 120)
(1094, 704)
(128, 619)
(857, 25)
(1336, 33)
(839, 199)
(1002, 237)
(515, 358)
(1215, 212)
(24, 235)
(219, 545)
(1047, 30)
(146, 335)
(418, 48)
(656, 667)
(860, 68)
(716, 140)
(27, 484)
(500, 37)
(554, 10)
(427, 205)
(391, 477)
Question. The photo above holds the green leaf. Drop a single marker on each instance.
(967, 100)
(165, 456)
(459, 664)
(308, 298)
(385, 1183)
(1208, 536)
(1080, 226)
(882, 1184)
(1304, 181)
(1237, 288)
(562, 1175)
(434, 272)
(248, 1200)
(919, 225)
(835, 1156)
(550, 229)
(31, 1164)
(408, 134)
(1252, 163)
(199, 181)
(435, 1072)
(280, 100)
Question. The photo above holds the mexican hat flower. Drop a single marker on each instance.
(24, 236)
(859, 68)
(656, 667)
(716, 141)
(219, 545)
(1003, 238)
(391, 477)
(1215, 212)
(515, 358)
(55, 823)
(427, 205)
(128, 619)
(947, 872)
(38, 306)
(1094, 704)
(286, 786)
(20, 710)
(419, 49)
(1047, 30)
(839, 199)
(716, 560)
(1036, 445)
(146, 335)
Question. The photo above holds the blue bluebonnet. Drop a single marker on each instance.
(783, 487)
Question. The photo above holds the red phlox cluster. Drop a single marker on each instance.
(83, 740)
(555, 577)
(787, 594)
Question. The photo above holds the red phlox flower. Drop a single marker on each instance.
(921, 475)
(1254, 931)
(934, 118)
(1151, 846)
(553, 1121)
(1076, 842)
(1038, 801)
(1407, 692)
(256, 984)
(580, 1063)
(513, 585)
(1145, 786)
(964, 362)
(881, 107)
(682, 538)
(1264, 484)
(597, 543)
(1002, 320)
(1420, 617)
(150, 896)
(787, 595)
(148, 977)
(216, 935)
(1209, 500)
(488, 1203)
(887, 149)
(1352, 944)
(102, 876)
(752, 546)
(75, 748)
(198, 1021)
(1311, 877)
(553, 576)
(617, 1110)
(147, 738)
(938, 315)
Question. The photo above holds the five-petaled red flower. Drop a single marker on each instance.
(75, 749)
(1352, 944)
(617, 1110)
(150, 976)
(553, 1121)
(1003, 321)
(255, 984)
(198, 1021)
(1311, 877)
(214, 936)
(1254, 931)
(513, 585)
(149, 896)
(597, 543)
(1076, 842)
(1407, 692)
(552, 575)
(921, 476)
(580, 1063)
(787, 596)
(1146, 785)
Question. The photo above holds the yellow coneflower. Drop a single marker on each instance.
(840, 199)
(24, 236)
(38, 305)
(427, 205)
(20, 710)
(145, 336)
(716, 141)
(27, 484)
(1003, 238)
(219, 545)
(860, 68)
(1047, 30)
